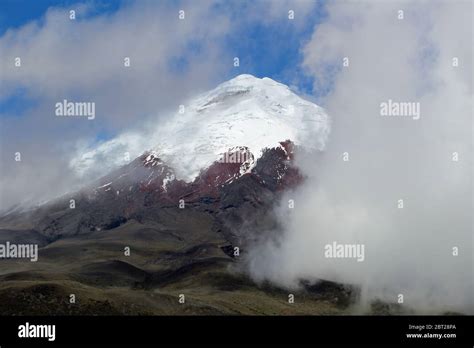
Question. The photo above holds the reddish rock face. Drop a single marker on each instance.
(273, 170)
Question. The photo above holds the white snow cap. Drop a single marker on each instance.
(244, 111)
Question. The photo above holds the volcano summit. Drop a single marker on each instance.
(244, 111)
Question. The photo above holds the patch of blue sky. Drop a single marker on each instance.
(273, 49)
(16, 104)
(16, 13)
(180, 65)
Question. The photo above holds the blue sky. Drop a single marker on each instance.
(273, 50)
(15, 13)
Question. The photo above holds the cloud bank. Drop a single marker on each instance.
(408, 251)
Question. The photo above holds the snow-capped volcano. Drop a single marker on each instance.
(227, 159)
(243, 112)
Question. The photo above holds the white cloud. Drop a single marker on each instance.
(409, 250)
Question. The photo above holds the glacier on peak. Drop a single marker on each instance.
(257, 113)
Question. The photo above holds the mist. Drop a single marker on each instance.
(422, 249)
